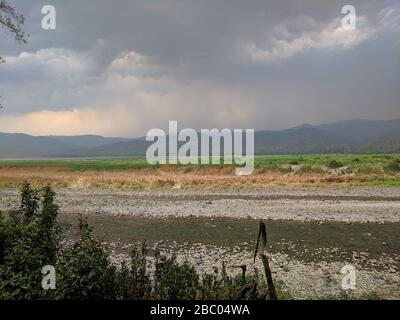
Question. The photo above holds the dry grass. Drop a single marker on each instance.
(180, 177)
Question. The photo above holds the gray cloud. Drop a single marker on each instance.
(137, 64)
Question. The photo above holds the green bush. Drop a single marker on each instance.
(334, 164)
(215, 288)
(173, 281)
(134, 282)
(84, 270)
(393, 166)
(28, 241)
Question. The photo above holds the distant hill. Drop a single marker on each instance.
(302, 139)
(130, 148)
(19, 145)
(87, 141)
(343, 136)
(361, 131)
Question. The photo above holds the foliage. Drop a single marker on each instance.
(28, 241)
(363, 163)
(334, 164)
(84, 270)
(393, 165)
(12, 21)
(215, 288)
(29, 202)
(173, 281)
(134, 282)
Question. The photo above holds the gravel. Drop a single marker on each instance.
(302, 280)
(300, 204)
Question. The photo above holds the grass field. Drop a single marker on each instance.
(346, 169)
(361, 162)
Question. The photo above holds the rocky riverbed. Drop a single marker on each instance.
(299, 279)
(300, 204)
(313, 232)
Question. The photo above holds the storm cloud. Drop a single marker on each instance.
(121, 68)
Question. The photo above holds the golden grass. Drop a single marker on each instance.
(173, 177)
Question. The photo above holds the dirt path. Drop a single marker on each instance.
(299, 204)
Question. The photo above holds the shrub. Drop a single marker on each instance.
(20, 272)
(28, 241)
(173, 281)
(230, 288)
(393, 166)
(49, 229)
(334, 164)
(3, 237)
(285, 170)
(84, 270)
(134, 282)
(29, 202)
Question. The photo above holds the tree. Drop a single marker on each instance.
(12, 22)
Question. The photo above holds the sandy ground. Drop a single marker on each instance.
(300, 204)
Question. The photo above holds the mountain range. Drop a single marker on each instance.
(357, 136)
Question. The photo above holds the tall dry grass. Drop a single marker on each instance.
(177, 177)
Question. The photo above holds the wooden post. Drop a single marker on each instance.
(268, 276)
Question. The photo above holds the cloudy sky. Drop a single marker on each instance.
(120, 68)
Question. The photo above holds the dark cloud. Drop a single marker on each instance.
(281, 61)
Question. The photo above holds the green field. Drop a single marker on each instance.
(314, 170)
(363, 163)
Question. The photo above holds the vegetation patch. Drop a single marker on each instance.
(334, 164)
(393, 166)
(322, 170)
(30, 240)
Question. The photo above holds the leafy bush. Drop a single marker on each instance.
(334, 164)
(230, 288)
(28, 241)
(285, 170)
(134, 282)
(84, 270)
(393, 166)
(173, 281)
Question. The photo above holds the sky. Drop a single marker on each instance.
(121, 68)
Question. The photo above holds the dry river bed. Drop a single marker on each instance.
(313, 232)
(300, 204)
